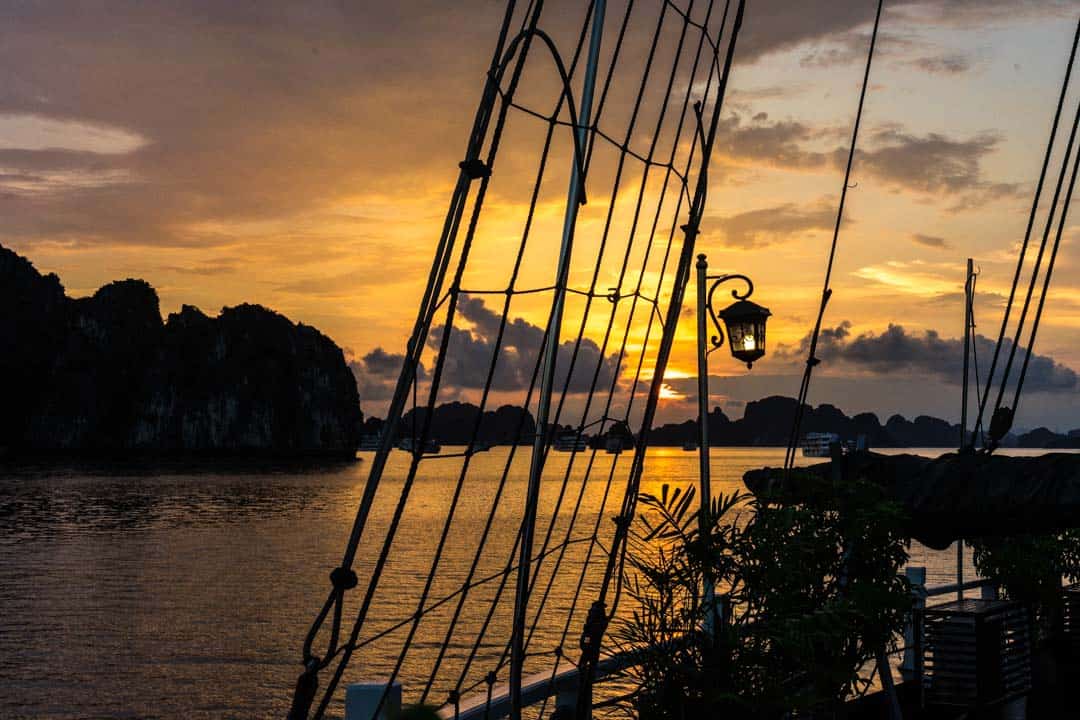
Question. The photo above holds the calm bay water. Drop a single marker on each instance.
(184, 591)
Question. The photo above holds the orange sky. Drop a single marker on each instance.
(302, 155)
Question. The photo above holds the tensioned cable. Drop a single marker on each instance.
(517, 50)
(343, 577)
(448, 332)
(1001, 420)
(599, 616)
(1049, 272)
(472, 169)
(826, 293)
(603, 348)
(602, 352)
(497, 596)
(634, 385)
(1027, 232)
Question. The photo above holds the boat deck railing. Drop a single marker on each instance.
(494, 702)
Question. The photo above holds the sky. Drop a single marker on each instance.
(302, 156)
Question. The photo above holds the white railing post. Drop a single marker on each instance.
(911, 666)
(361, 700)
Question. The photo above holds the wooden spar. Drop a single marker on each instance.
(952, 496)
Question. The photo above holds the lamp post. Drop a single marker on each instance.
(744, 326)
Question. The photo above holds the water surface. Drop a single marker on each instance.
(184, 590)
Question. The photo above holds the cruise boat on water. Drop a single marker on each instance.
(570, 441)
(817, 444)
(430, 447)
(370, 442)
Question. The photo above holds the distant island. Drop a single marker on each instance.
(765, 423)
(105, 375)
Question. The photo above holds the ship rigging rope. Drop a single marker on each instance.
(826, 293)
(455, 242)
(1001, 419)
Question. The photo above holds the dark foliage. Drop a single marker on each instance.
(810, 595)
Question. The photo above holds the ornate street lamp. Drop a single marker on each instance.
(744, 322)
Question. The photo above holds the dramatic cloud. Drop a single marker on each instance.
(950, 64)
(931, 241)
(377, 373)
(757, 228)
(928, 354)
(470, 351)
(777, 25)
(781, 143)
(933, 164)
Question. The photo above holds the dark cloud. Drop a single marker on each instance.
(210, 268)
(933, 164)
(257, 111)
(932, 241)
(948, 64)
(781, 143)
(757, 228)
(470, 352)
(777, 25)
(377, 374)
(275, 110)
(852, 48)
(928, 354)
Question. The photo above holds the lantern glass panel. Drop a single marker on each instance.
(747, 338)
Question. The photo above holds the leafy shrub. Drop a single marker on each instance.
(811, 594)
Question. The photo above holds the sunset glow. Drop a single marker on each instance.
(309, 171)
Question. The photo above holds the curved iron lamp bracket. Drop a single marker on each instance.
(717, 341)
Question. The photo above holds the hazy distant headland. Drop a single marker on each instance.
(104, 374)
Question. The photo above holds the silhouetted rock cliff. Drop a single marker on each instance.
(105, 374)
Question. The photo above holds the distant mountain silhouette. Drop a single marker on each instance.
(765, 423)
(104, 374)
(453, 424)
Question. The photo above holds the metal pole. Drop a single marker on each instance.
(967, 352)
(964, 412)
(551, 347)
(705, 482)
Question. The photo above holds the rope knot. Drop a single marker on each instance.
(491, 678)
(343, 579)
(1000, 423)
(475, 168)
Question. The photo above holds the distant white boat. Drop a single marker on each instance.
(370, 442)
(817, 444)
(570, 441)
(429, 448)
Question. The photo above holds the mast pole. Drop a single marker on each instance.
(968, 300)
(551, 347)
(967, 353)
(705, 483)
